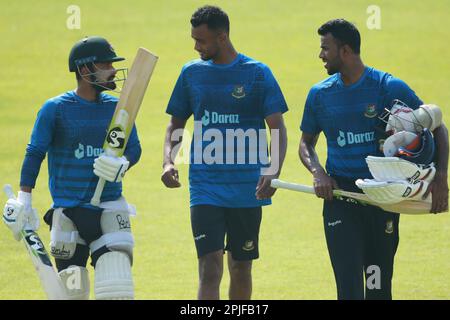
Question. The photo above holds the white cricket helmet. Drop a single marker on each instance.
(402, 118)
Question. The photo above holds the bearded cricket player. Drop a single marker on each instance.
(70, 130)
(346, 107)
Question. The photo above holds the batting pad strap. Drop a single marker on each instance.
(70, 237)
(116, 229)
(113, 278)
(120, 241)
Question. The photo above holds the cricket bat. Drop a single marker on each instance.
(126, 110)
(404, 207)
(50, 280)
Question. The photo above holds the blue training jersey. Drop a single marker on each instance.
(226, 99)
(71, 131)
(348, 116)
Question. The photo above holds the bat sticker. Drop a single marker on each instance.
(116, 138)
(36, 246)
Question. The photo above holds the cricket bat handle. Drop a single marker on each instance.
(9, 191)
(95, 201)
(276, 183)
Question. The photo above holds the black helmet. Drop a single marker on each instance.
(91, 49)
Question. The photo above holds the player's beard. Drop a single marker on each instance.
(334, 66)
(205, 56)
(211, 54)
(100, 86)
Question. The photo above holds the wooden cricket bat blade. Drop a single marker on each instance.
(130, 100)
(408, 207)
(50, 280)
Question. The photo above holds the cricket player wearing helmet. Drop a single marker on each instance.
(70, 129)
(225, 91)
(361, 240)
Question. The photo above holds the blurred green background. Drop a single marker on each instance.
(412, 44)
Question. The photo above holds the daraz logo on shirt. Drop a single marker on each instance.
(345, 138)
(87, 151)
(215, 117)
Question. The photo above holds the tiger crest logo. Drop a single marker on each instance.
(371, 111)
(389, 227)
(238, 92)
(248, 246)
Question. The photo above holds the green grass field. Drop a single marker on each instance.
(294, 261)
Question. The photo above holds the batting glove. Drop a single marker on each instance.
(18, 214)
(111, 169)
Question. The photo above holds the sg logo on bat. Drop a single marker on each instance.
(36, 246)
(116, 138)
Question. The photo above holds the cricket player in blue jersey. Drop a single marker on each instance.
(362, 240)
(70, 129)
(227, 93)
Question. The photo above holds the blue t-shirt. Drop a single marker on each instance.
(226, 99)
(348, 116)
(71, 131)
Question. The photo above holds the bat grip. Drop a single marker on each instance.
(95, 201)
(276, 183)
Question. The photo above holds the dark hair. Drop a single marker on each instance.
(344, 32)
(214, 17)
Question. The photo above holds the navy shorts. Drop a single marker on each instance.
(210, 224)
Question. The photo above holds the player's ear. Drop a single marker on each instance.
(83, 70)
(80, 73)
(222, 36)
(343, 51)
(347, 51)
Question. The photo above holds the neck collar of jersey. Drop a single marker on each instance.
(357, 83)
(84, 101)
(232, 63)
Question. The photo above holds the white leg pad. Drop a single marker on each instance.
(113, 279)
(75, 281)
